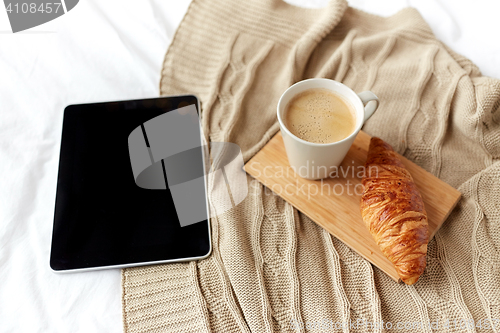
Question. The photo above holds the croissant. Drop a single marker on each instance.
(394, 212)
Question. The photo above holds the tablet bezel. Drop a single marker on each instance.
(155, 262)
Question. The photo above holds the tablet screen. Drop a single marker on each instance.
(102, 217)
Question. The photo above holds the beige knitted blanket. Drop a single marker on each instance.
(274, 270)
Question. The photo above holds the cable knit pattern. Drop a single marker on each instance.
(274, 270)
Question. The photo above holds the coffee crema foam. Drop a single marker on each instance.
(319, 115)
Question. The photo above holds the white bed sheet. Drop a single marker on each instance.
(110, 50)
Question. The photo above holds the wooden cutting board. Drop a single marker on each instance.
(333, 203)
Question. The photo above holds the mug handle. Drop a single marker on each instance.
(370, 101)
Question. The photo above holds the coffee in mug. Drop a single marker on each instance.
(314, 149)
(320, 115)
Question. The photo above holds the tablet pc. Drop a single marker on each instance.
(102, 218)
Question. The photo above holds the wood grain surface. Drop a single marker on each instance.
(333, 203)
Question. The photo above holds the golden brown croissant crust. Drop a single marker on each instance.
(394, 212)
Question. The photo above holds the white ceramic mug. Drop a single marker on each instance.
(315, 160)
